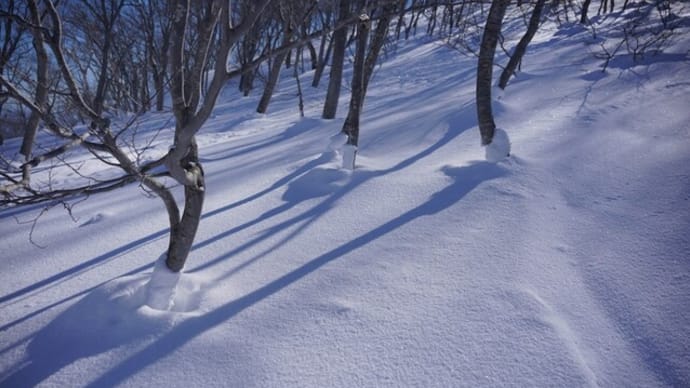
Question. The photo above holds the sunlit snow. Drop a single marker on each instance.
(566, 264)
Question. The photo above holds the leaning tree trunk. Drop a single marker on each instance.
(322, 60)
(521, 47)
(377, 42)
(485, 64)
(273, 75)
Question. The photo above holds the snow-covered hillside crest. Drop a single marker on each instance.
(427, 265)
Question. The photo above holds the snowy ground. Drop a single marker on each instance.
(567, 264)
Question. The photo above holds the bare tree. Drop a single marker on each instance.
(585, 9)
(330, 106)
(325, 47)
(485, 65)
(96, 23)
(351, 125)
(366, 55)
(154, 21)
(213, 30)
(285, 17)
(521, 47)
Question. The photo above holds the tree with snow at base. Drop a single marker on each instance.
(487, 127)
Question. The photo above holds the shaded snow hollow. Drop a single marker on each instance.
(566, 264)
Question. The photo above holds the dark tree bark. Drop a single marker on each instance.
(213, 35)
(606, 6)
(323, 57)
(585, 9)
(521, 47)
(106, 16)
(401, 19)
(324, 49)
(377, 42)
(247, 77)
(273, 75)
(183, 230)
(40, 93)
(351, 125)
(485, 64)
(330, 107)
(313, 58)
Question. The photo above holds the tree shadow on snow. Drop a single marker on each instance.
(464, 180)
(299, 190)
(111, 316)
(17, 295)
(295, 129)
(108, 317)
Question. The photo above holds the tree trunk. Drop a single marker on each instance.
(322, 60)
(247, 80)
(330, 107)
(485, 69)
(401, 20)
(351, 125)
(585, 8)
(521, 47)
(182, 234)
(273, 75)
(300, 96)
(312, 55)
(41, 93)
(377, 41)
(185, 169)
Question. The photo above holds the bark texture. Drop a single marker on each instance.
(273, 75)
(521, 47)
(485, 64)
(351, 125)
(330, 107)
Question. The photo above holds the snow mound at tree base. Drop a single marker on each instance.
(499, 148)
(111, 316)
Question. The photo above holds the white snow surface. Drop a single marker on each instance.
(499, 148)
(566, 264)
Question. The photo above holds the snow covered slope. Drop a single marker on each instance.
(567, 264)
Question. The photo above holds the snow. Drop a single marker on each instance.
(349, 153)
(566, 264)
(499, 148)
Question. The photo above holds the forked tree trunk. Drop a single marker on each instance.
(485, 64)
(521, 47)
(191, 112)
